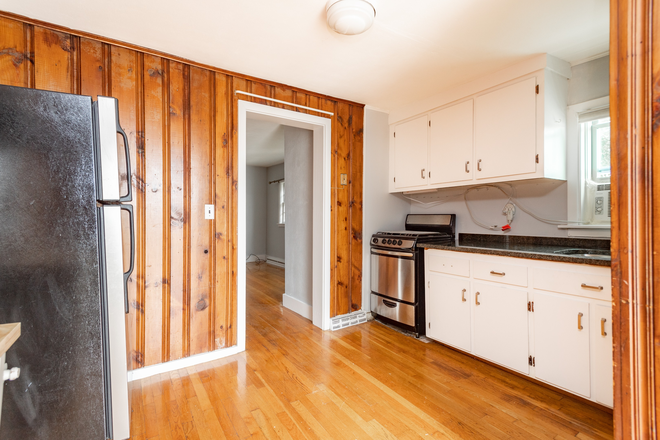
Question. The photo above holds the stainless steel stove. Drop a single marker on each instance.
(397, 269)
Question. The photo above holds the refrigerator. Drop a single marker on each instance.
(66, 254)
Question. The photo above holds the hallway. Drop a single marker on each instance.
(367, 381)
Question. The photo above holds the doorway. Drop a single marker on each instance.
(321, 158)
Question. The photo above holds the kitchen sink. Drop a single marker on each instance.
(601, 254)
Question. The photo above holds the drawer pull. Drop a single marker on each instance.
(476, 299)
(602, 327)
(494, 272)
(580, 321)
(463, 295)
(590, 286)
(389, 304)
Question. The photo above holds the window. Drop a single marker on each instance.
(282, 210)
(588, 169)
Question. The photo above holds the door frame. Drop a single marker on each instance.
(635, 122)
(321, 207)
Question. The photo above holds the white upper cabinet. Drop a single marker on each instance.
(505, 131)
(450, 144)
(505, 127)
(410, 147)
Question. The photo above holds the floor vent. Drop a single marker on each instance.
(343, 321)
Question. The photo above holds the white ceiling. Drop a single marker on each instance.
(265, 143)
(416, 48)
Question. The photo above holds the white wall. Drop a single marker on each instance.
(256, 202)
(275, 232)
(298, 168)
(382, 210)
(589, 81)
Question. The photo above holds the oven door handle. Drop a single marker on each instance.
(389, 304)
(392, 253)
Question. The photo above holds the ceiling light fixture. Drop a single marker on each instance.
(350, 17)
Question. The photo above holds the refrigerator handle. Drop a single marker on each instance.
(129, 195)
(129, 209)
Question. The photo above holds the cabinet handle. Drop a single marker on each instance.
(589, 286)
(467, 169)
(423, 177)
(602, 327)
(463, 295)
(476, 299)
(580, 321)
(494, 272)
(479, 164)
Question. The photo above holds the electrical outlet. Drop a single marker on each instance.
(509, 210)
(208, 212)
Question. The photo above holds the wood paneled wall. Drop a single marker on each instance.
(181, 120)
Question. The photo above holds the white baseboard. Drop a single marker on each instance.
(253, 258)
(295, 305)
(178, 364)
(275, 261)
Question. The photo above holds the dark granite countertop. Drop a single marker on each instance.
(562, 249)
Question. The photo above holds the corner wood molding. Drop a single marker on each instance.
(635, 113)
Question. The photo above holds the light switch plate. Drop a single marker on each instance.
(344, 179)
(208, 212)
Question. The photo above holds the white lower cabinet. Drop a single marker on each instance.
(603, 379)
(561, 340)
(549, 320)
(448, 310)
(500, 325)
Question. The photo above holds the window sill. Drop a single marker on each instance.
(281, 225)
(588, 231)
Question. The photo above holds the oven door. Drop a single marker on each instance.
(393, 274)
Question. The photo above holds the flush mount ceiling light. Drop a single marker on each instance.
(350, 17)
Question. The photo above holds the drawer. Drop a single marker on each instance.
(400, 312)
(497, 272)
(445, 262)
(590, 284)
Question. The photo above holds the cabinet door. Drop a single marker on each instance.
(448, 310)
(505, 131)
(500, 325)
(561, 333)
(450, 144)
(410, 147)
(602, 368)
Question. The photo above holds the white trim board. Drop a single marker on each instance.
(186, 362)
(297, 306)
(322, 155)
(275, 261)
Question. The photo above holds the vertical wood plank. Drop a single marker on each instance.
(154, 78)
(237, 84)
(91, 67)
(331, 106)
(14, 54)
(343, 292)
(52, 55)
(200, 194)
(283, 94)
(166, 212)
(355, 185)
(177, 277)
(262, 90)
(222, 210)
(124, 84)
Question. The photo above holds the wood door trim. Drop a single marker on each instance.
(635, 113)
(148, 51)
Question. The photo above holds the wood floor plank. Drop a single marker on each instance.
(297, 382)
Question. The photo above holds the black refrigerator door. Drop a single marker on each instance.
(49, 270)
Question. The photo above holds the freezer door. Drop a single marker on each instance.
(113, 299)
(109, 159)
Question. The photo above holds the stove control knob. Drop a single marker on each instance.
(389, 241)
(400, 243)
(375, 241)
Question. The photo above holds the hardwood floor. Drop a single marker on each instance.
(295, 381)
